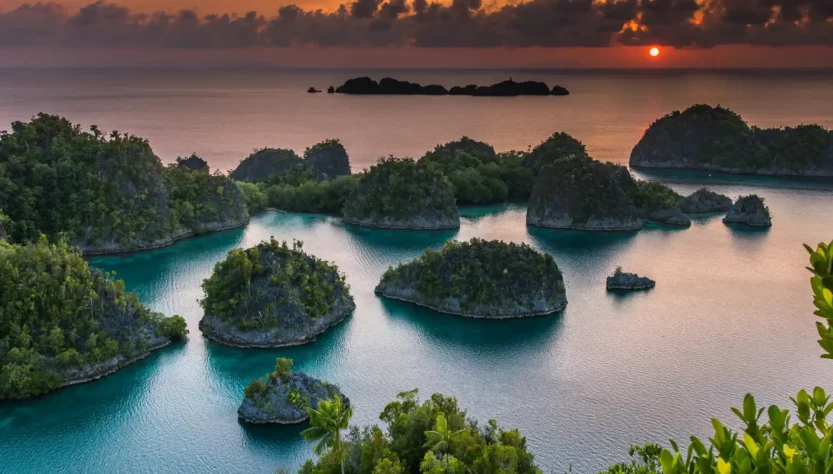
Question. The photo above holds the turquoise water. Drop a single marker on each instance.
(731, 313)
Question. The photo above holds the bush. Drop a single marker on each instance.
(173, 328)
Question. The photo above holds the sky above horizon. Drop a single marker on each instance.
(420, 33)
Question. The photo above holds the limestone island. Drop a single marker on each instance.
(714, 138)
(327, 160)
(65, 323)
(479, 279)
(262, 164)
(628, 281)
(273, 295)
(749, 210)
(390, 86)
(399, 193)
(117, 195)
(323, 161)
(704, 201)
(284, 396)
(312, 90)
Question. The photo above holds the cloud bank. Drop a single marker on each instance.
(421, 23)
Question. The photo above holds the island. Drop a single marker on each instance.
(327, 160)
(715, 138)
(70, 324)
(558, 146)
(399, 193)
(106, 193)
(390, 86)
(657, 202)
(628, 281)
(478, 174)
(705, 201)
(273, 295)
(749, 210)
(580, 193)
(261, 165)
(312, 90)
(479, 279)
(283, 396)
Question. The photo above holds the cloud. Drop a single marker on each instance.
(429, 24)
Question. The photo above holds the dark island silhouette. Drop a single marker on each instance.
(390, 86)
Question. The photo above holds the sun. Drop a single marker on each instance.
(654, 52)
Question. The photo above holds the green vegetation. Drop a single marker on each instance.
(479, 275)
(103, 193)
(433, 437)
(558, 146)
(479, 175)
(653, 196)
(59, 319)
(399, 191)
(259, 287)
(327, 160)
(258, 388)
(311, 196)
(256, 199)
(717, 138)
(266, 164)
(775, 444)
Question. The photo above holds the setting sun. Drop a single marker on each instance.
(654, 52)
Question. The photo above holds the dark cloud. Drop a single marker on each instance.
(430, 24)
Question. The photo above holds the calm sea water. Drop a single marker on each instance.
(731, 312)
(224, 114)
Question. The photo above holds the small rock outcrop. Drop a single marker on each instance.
(402, 194)
(262, 164)
(703, 201)
(328, 160)
(331, 90)
(749, 210)
(671, 216)
(718, 139)
(390, 86)
(479, 279)
(628, 281)
(284, 396)
(584, 194)
(312, 90)
(273, 295)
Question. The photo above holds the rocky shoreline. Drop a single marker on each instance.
(473, 315)
(595, 225)
(411, 225)
(158, 244)
(628, 281)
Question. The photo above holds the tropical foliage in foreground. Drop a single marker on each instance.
(771, 441)
(431, 437)
(59, 318)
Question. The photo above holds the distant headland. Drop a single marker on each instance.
(390, 86)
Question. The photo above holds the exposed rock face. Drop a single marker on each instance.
(259, 166)
(714, 138)
(703, 200)
(287, 402)
(670, 216)
(389, 86)
(749, 210)
(290, 298)
(479, 279)
(328, 160)
(628, 281)
(402, 194)
(580, 193)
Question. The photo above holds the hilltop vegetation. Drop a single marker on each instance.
(404, 194)
(105, 193)
(62, 322)
(488, 279)
(272, 295)
(716, 138)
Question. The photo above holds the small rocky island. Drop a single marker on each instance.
(399, 193)
(323, 161)
(578, 192)
(479, 279)
(628, 281)
(704, 201)
(390, 86)
(749, 210)
(262, 164)
(273, 295)
(54, 334)
(327, 160)
(284, 396)
(718, 139)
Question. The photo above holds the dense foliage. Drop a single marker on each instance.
(327, 160)
(58, 316)
(325, 197)
(256, 199)
(265, 164)
(709, 137)
(480, 272)
(653, 195)
(400, 189)
(478, 174)
(432, 437)
(259, 387)
(102, 191)
(775, 444)
(256, 287)
(558, 146)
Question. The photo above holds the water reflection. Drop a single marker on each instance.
(709, 178)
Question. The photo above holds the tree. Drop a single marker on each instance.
(440, 437)
(327, 422)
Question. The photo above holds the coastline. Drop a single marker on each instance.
(357, 223)
(826, 176)
(302, 342)
(472, 315)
